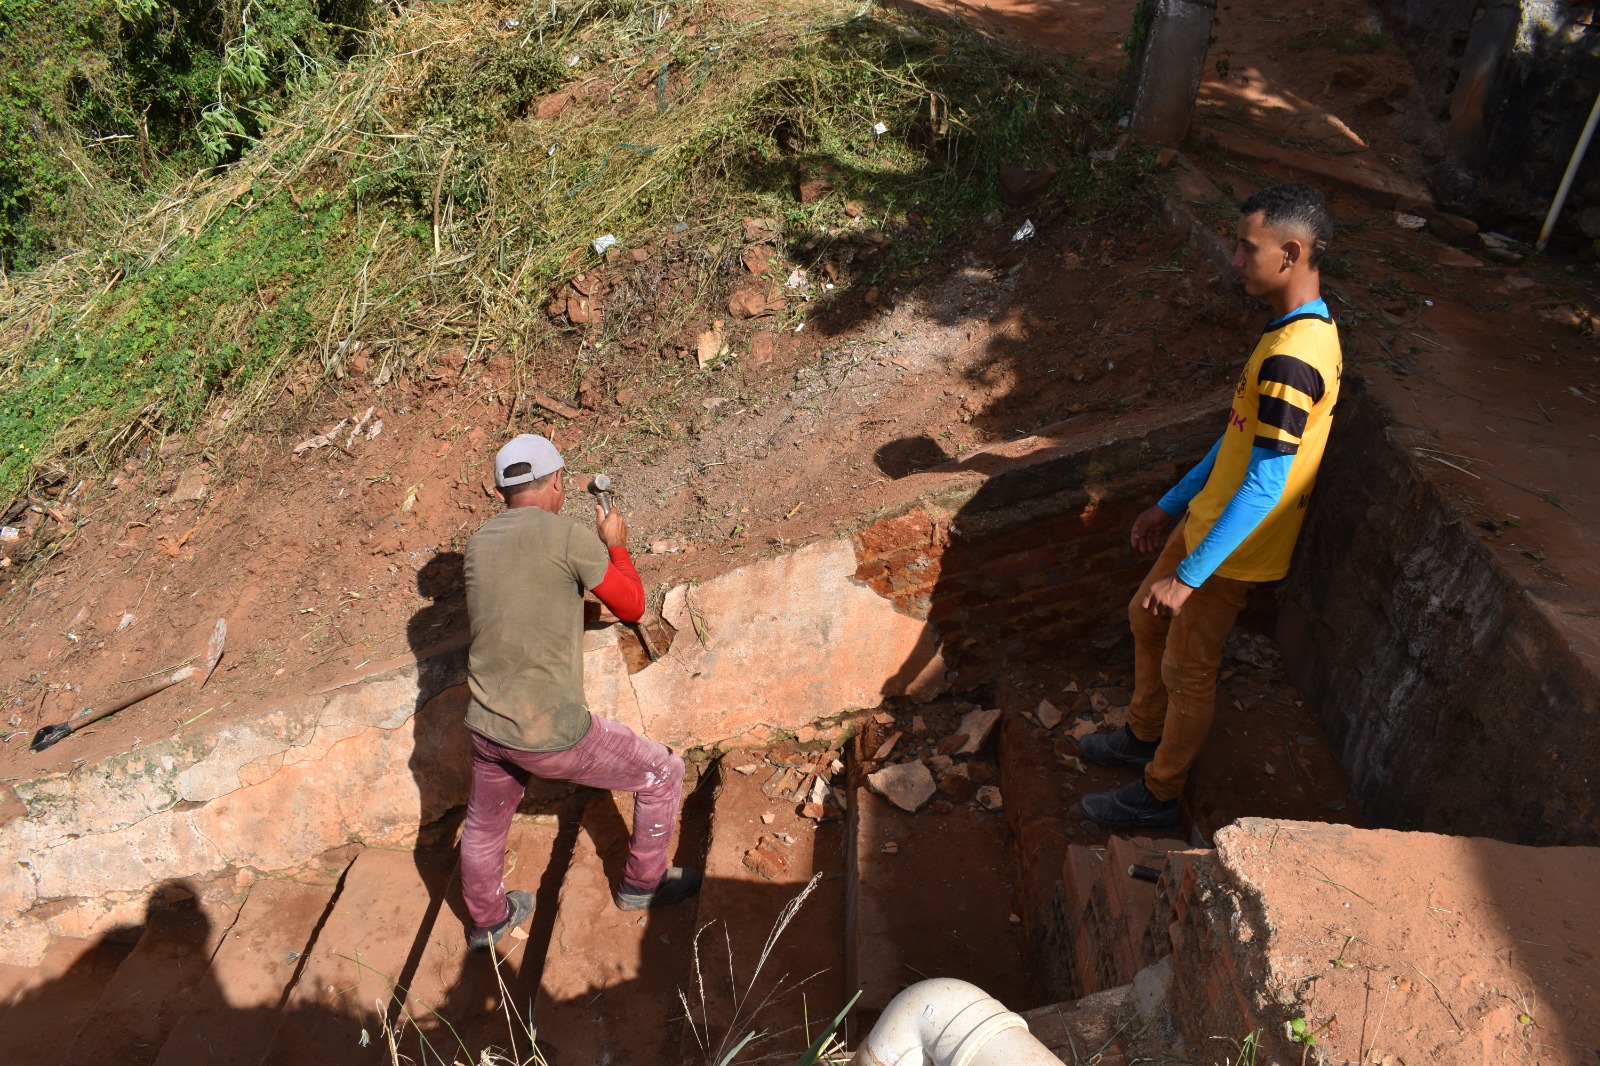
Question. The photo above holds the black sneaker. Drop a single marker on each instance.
(519, 905)
(1118, 748)
(679, 884)
(1130, 807)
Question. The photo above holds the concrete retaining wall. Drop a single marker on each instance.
(773, 646)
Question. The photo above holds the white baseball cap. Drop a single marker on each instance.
(525, 458)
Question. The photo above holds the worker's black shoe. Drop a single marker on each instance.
(519, 905)
(1130, 807)
(679, 884)
(1118, 748)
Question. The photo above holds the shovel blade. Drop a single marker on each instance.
(49, 735)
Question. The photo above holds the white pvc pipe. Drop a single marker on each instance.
(1572, 172)
(947, 1022)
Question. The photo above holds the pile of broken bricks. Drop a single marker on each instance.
(802, 777)
(913, 773)
(911, 767)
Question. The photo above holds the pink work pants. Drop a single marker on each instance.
(610, 756)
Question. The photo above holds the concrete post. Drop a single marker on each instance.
(1174, 36)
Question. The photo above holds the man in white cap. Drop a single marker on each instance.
(526, 571)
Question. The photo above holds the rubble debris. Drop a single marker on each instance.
(765, 860)
(906, 785)
(890, 848)
(192, 485)
(976, 727)
(768, 818)
(957, 784)
(321, 440)
(990, 799)
(883, 718)
(821, 812)
(709, 345)
(782, 785)
(1047, 714)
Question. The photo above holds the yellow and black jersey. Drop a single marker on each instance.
(1284, 403)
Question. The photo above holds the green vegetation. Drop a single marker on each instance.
(413, 200)
(100, 99)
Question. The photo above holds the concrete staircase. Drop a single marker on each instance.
(333, 967)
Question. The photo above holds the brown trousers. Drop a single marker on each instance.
(1175, 663)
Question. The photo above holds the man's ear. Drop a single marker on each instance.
(1293, 250)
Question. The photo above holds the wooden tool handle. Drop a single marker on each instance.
(134, 697)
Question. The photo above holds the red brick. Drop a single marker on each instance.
(909, 530)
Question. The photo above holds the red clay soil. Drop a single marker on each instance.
(1413, 948)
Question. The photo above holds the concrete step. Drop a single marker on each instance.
(610, 982)
(155, 986)
(754, 869)
(456, 1004)
(370, 942)
(58, 996)
(938, 903)
(233, 1013)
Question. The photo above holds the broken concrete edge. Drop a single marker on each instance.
(1221, 991)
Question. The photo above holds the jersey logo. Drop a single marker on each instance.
(1235, 419)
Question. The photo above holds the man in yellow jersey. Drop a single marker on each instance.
(1238, 512)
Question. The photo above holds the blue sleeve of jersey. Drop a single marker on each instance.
(1178, 498)
(1262, 489)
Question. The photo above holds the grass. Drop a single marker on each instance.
(522, 1047)
(413, 205)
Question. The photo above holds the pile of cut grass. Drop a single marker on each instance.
(417, 204)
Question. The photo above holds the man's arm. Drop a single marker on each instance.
(1287, 390)
(1259, 493)
(620, 590)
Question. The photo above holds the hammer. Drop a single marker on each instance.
(600, 485)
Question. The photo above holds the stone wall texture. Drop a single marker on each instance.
(1454, 694)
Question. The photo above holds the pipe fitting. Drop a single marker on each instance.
(950, 1023)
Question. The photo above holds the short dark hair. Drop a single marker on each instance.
(1299, 206)
(518, 469)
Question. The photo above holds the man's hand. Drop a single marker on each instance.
(1167, 597)
(1150, 529)
(613, 528)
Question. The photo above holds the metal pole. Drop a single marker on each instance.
(1566, 179)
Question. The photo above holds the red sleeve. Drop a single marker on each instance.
(621, 590)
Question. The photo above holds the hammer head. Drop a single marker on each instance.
(600, 485)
